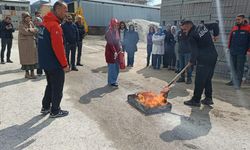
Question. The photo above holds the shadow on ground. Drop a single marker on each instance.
(10, 71)
(104, 69)
(96, 93)
(196, 125)
(14, 137)
(13, 82)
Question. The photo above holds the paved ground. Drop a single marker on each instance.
(100, 117)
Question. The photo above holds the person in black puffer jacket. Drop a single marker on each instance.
(7, 30)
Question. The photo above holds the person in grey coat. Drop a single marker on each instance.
(131, 40)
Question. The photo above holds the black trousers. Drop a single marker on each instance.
(165, 59)
(6, 42)
(79, 52)
(237, 67)
(54, 89)
(171, 59)
(203, 80)
(71, 50)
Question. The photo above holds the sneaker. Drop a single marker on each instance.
(9, 61)
(45, 111)
(181, 80)
(114, 85)
(189, 81)
(79, 64)
(192, 103)
(207, 101)
(74, 69)
(61, 113)
(230, 83)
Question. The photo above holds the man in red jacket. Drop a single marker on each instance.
(239, 44)
(53, 60)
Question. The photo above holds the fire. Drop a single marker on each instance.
(150, 99)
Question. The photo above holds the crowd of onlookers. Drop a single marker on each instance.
(74, 33)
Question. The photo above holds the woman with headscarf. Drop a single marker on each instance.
(150, 43)
(113, 47)
(131, 40)
(158, 48)
(26, 45)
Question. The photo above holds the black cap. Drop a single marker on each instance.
(184, 21)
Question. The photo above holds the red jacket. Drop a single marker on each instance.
(112, 46)
(52, 24)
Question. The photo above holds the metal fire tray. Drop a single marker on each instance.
(132, 100)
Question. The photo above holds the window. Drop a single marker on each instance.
(12, 8)
(6, 7)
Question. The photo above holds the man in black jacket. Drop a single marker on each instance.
(81, 31)
(6, 34)
(204, 53)
(71, 37)
(184, 56)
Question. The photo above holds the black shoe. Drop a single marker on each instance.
(114, 85)
(9, 61)
(207, 101)
(230, 83)
(45, 111)
(74, 69)
(189, 81)
(61, 113)
(2, 62)
(79, 64)
(192, 103)
(181, 80)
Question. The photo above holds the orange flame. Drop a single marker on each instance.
(150, 99)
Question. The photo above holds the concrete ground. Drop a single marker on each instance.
(101, 119)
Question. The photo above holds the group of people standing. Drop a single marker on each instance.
(28, 41)
(119, 39)
(169, 48)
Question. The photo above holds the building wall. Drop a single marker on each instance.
(206, 10)
(13, 9)
(99, 14)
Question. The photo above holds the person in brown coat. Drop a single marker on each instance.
(26, 45)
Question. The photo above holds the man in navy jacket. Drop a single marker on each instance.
(239, 44)
(71, 37)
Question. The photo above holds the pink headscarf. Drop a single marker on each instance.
(112, 24)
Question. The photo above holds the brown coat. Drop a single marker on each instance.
(26, 44)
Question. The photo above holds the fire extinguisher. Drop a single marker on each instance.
(121, 59)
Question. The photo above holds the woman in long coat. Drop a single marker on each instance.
(131, 40)
(26, 45)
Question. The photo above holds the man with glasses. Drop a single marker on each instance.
(71, 36)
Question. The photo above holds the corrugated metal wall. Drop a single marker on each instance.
(99, 14)
(206, 10)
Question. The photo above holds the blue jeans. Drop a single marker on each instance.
(156, 61)
(184, 58)
(130, 58)
(113, 72)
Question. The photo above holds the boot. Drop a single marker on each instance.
(181, 79)
(32, 76)
(27, 75)
(192, 102)
(207, 101)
